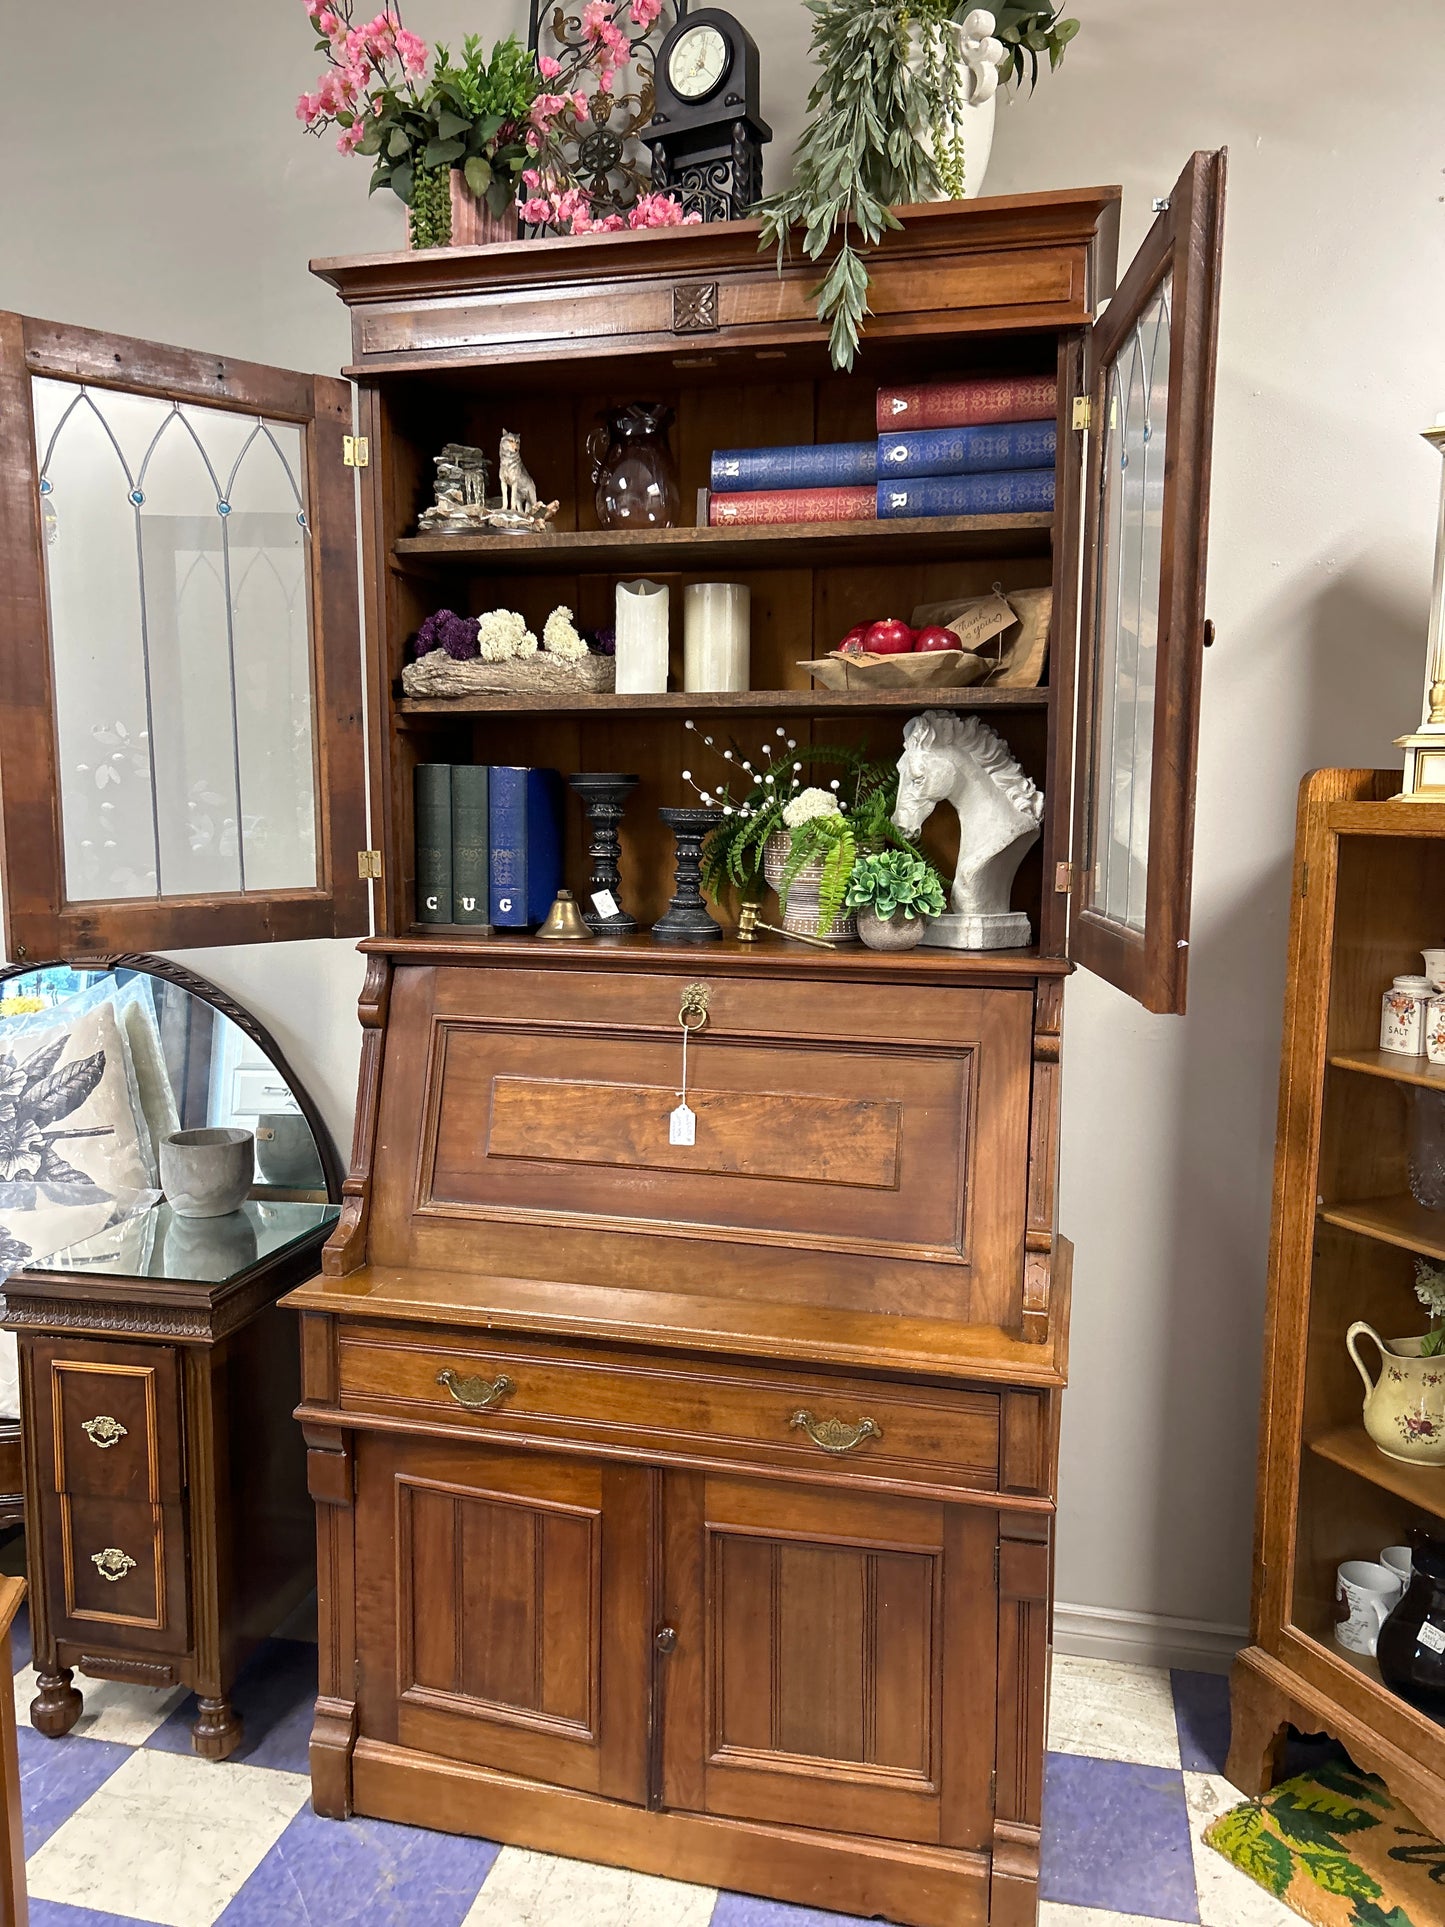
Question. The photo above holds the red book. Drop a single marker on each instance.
(969, 403)
(793, 505)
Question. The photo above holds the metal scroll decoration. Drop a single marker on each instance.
(602, 153)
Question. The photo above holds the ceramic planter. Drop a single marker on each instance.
(889, 933)
(802, 914)
(207, 1174)
(969, 121)
(1405, 1405)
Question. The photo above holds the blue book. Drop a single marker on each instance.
(820, 465)
(525, 807)
(966, 451)
(1027, 491)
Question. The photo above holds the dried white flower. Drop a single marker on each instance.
(503, 634)
(807, 805)
(560, 637)
(1430, 1288)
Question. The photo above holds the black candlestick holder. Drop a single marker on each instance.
(604, 794)
(687, 920)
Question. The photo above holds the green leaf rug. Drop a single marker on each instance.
(1334, 1846)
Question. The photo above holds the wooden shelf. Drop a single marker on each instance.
(1350, 1447)
(1392, 1066)
(1394, 1221)
(752, 702)
(790, 545)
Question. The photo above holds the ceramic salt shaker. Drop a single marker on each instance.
(1402, 1017)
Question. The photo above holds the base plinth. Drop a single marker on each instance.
(1008, 930)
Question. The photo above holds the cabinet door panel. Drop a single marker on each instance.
(507, 1620)
(834, 1659)
(181, 759)
(1145, 548)
(116, 1569)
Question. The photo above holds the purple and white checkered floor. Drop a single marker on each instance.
(123, 1823)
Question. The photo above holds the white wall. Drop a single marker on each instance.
(156, 183)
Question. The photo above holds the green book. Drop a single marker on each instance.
(433, 842)
(471, 845)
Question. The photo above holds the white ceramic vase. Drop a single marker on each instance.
(1405, 1405)
(802, 914)
(969, 123)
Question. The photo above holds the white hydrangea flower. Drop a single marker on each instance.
(502, 635)
(1430, 1288)
(808, 804)
(560, 637)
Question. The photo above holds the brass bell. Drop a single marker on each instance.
(564, 921)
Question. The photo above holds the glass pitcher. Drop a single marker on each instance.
(633, 468)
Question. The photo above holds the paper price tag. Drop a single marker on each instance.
(682, 1126)
(1432, 1637)
(605, 904)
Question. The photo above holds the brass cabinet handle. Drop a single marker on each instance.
(835, 1435)
(694, 1012)
(476, 1393)
(112, 1564)
(103, 1430)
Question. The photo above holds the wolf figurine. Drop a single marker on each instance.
(519, 491)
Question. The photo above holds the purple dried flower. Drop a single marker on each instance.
(602, 642)
(447, 630)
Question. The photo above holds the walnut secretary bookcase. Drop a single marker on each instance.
(690, 1508)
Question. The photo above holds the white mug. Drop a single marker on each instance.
(1365, 1595)
(1400, 1561)
(1435, 967)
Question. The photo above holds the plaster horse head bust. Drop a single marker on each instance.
(960, 760)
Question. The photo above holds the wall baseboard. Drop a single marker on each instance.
(1146, 1639)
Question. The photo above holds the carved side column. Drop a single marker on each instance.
(1023, 1683)
(330, 1478)
(345, 1250)
(1043, 1160)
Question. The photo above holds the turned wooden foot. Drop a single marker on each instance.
(217, 1731)
(57, 1706)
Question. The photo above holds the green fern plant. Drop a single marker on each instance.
(831, 842)
(862, 152)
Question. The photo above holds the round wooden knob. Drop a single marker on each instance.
(665, 1638)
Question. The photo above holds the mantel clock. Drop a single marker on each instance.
(707, 132)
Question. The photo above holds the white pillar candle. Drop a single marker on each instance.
(716, 636)
(642, 613)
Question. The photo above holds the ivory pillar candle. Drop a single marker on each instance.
(642, 624)
(716, 635)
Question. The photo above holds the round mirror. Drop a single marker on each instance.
(182, 1057)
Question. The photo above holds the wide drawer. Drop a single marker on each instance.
(117, 1572)
(653, 1404)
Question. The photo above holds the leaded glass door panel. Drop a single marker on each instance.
(180, 747)
(1145, 545)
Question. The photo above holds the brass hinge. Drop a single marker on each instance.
(1083, 412)
(1063, 879)
(368, 865)
(355, 451)
(997, 1560)
(1304, 880)
(993, 1789)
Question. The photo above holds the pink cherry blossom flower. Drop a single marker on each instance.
(644, 12)
(548, 67)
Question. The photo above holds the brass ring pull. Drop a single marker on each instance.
(476, 1393)
(835, 1435)
(112, 1564)
(695, 1000)
(103, 1430)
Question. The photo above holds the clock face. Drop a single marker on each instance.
(698, 64)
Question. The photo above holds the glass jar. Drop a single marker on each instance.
(633, 469)
(1425, 1150)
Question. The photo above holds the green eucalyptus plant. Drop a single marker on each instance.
(881, 133)
(891, 881)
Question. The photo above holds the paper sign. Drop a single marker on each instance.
(974, 622)
(682, 1126)
(604, 903)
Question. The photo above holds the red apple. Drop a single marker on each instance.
(890, 638)
(932, 639)
(852, 643)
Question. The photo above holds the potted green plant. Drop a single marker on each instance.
(892, 891)
(901, 112)
(801, 839)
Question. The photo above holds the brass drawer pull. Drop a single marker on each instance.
(694, 1013)
(112, 1564)
(476, 1393)
(835, 1435)
(103, 1430)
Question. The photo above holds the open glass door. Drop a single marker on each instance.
(1145, 541)
(181, 751)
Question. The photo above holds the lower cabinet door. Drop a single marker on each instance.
(832, 1659)
(503, 1612)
